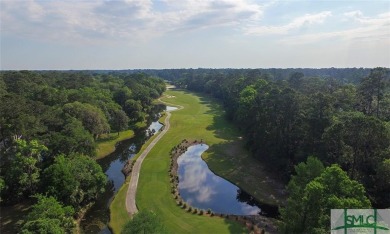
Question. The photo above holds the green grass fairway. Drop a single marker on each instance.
(195, 121)
(118, 213)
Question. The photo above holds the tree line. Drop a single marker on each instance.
(49, 124)
(344, 123)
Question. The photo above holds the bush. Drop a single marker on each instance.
(144, 222)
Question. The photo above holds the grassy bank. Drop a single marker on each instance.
(118, 213)
(106, 144)
(201, 118)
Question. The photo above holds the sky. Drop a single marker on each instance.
(148, 34)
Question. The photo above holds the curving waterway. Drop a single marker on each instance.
(201, 188)
(97, 218)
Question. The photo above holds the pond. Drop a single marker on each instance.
(153, 128)
(97, 218)
(171, 108)
(202, 189)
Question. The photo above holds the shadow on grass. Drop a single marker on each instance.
(107, 138)
(12, 217)
(230, 161)
(221, 127)
(235, 227)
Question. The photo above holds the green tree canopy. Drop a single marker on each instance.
(48, 216)
(144, 222)
(23, 176)
(74, 180)
(73, 138)
(119, 120)
(359, 143)
(305, 172)
(332, 189)
(92, 117)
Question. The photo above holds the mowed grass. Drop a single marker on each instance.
(118, 213)
(227, 156)
(195, 121)
(106, 144)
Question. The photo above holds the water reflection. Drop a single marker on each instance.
(266, 210)
(202, 189)
(153, 128)
(171, 108)
(97, 217)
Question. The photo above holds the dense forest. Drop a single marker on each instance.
(49, 125)
(344, 123)
(344, 75)
(327, 131)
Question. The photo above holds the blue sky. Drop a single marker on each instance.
(128, 34)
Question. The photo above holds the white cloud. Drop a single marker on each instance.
(303, 21)
(370, 29)
(206, 14)
(353, 14)
(137, 20)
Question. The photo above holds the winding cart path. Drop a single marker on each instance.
(131, 207)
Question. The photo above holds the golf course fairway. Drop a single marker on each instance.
(194, 121)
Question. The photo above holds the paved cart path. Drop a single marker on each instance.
(131, 207)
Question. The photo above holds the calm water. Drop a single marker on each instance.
(153, 128)
(96, 219)
(171, 108)
(201, 188)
